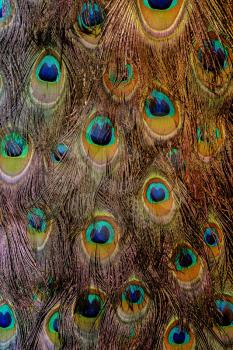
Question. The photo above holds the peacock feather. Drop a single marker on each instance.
(116, 175)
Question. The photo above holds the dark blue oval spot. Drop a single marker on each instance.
(89, 308)
(92, 16)
(224, 317)
(185, 259)
(59, 152)
(48, 72)
(212, 59)
(210, 237)
(179, 337)
(5, 319)
(101, 134)
(133, 295)
(159, 108)
(157, 194)
(160, 4)
(56, 324)
(36, 222)
(100, 236)
(13, 148)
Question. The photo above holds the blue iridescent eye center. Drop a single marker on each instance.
(89, 306)
(159, 105)
(5, 9)
(37, 220)
(185, 259)
(224, 315)
(14, 148)
(159, 108)
(48, 70)
(179, 336)
(211, 236)
(14, 145)
(59, 152)
(101, 235)
(133, 295)
(100, 131)
(5, 319)
(91, 16)
(213, 57)
(157, 192)
(160, 4)
(54, 321)
(48, 73)
(56, 324)
(100, 232)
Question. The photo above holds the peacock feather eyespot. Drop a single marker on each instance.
(48, 70)
(100, 237)
(89, 24)
(89, 309)
(7, 10)
(51, 326)
(48, 78)
(7, 325)
(89, 306)
(100, 139)
(161, 115)
(100, 132)
(223, 318)
(91, 18)
(159, 105)
(127, 76)
(160, 18)
(16, 153)
(211, 237)
(213, 63)
(188, 266)
(178, 336)
(38, 228)
(134, 301)
(185, 259)
(59, 153)
(121, 85)
(157, 192)
(210, 139)
(158, 199)
(213, 56)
